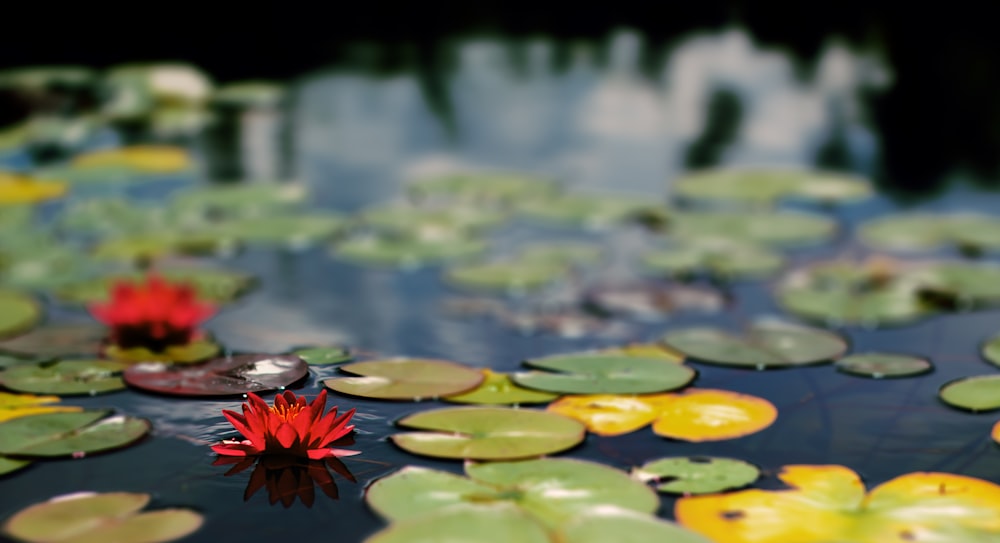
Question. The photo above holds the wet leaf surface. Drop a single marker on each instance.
(226, 376)
(66, 377)
(651, 299)
(980, 393)
(405, 379)
(881, 365)
(488, 433)
(506, 276)
(58, 340)
(765, 344)
(499, 389)
(322, 356)
(190, 353)
(69, 434)
(927, 231)
(604, 374)
(697, 474)
(18, 313)
(775, 228)
(408, 253)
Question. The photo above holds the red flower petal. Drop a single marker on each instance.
(286, 435)
(236, 448)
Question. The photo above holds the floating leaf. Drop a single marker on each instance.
(828, 503)
(292, 230)
(408, 252)
(980, 393)
(13, 406)
(879, 365)
(104, 216)
(65, 377)
(237, 200)
(604, 524)
(775, 228)
(497, 389)
(562, 253)
(697, 474)
(603, 374)
(142, 248)
(692, 415)
(112, 516)
(926, 231)
(958, 284)
(405, 379)
(643, 350)
(142, 158)
(651, 299)
(991, 350)
(18, 313)
(225, 376)
(483, 187)
(58, 340)
(69, 434)
(18, 189)
(552, 490)
(430, 223)
(768, 185)
(510, 275)
(213, 285)
(719, 257)
(877, 291)
(195, 351)
(588, 210)
(10, 465)
(765, 344)
(488, 433)
(321, 356)
(493, 523)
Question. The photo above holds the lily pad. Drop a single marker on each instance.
(429, 223)
(141, 248)
(112, 516)
(405, 379)
(564, 253)
(13, 406)
(16, 189)
(291, 230)
(776, 228)
(980, 393)
(604, 374)
(991, 350)
(69, 434)
(322, 356)
(651, 300)
(195, 351)
(406, 252)
(718, 257)
(106, 216)
(225, 376)
(510, 275)
(926, 231)
(211, 284)
(829, 503)
(58, 340)
(959, 284)
(586, 210)
(10, 465)
(141, 158)
(552, 490)
(765, 186)
(498, 389)
(494, 523)
(45, 267)
(238, 200)
(697, 474)
(495, 188)
(65, 377)
(765, 344)
(488, 433)
(18, 313)
(880, 365)
(877, 291)
(601, 525)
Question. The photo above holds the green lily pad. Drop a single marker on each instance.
(622, 526)
(321, 356)
(292, 230)
(430, 223)
(697, 474)
(58, 340)
(965, 283)
(565, 253)
(213, 285)
(775, 228)
(719, 257)
(237, 200)
(189, 353)
(45, 267)
(552, 490)
(880, 365)
(65, 377)
(18, 313)
(10, 465)
(926, 231)
(762, 186)
(405, 379)
(510, 275)
(406, 252)
(498, 389)
(847, 292)
(765, 344)
(604, 374)
(497, 188)
(104, 216)
(980, 393)
(991, 350)
(154, 245)
(493, 523)
(90, 517)
(69, 434)
(586, 210)
(488, 433)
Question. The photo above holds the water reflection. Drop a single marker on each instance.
(287, 478)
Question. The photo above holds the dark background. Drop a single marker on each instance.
(942, 113)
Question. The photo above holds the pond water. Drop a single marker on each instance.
(607, 126)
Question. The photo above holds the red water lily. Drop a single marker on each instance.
(154, 314)
(290, 427)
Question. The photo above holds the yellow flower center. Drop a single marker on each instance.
(286, 414)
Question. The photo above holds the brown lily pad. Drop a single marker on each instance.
(225, 376)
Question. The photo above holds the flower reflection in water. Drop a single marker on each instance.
(288, 478)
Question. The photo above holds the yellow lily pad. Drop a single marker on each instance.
(144, 158)
(13, 406)
(995, 434)
(828, 503)
(693, 415)
(18, 189)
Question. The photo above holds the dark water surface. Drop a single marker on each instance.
(357, 140)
